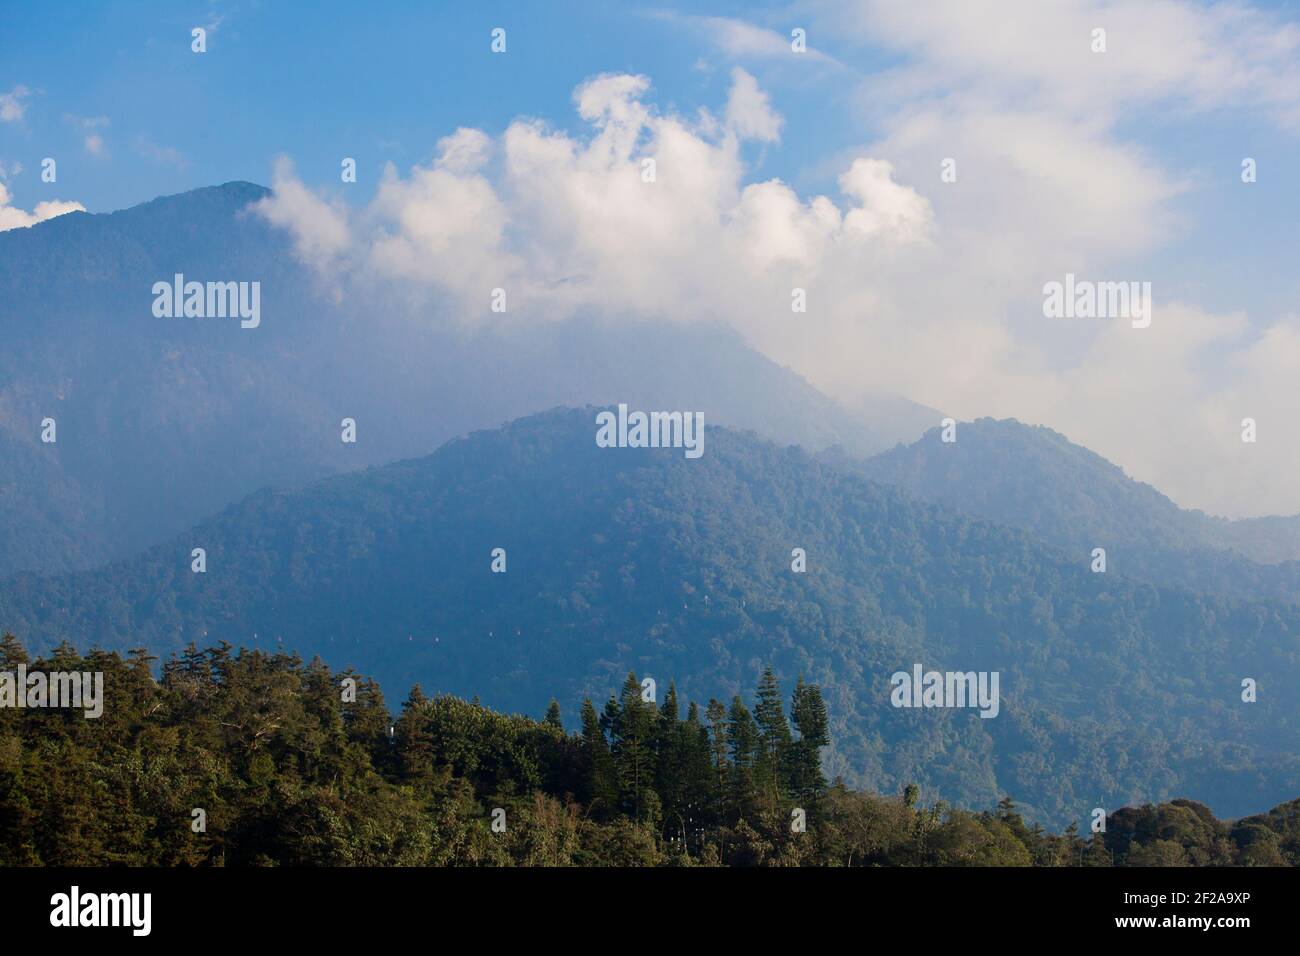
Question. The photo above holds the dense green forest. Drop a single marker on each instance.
(1114, 692)
(294, 764)
(1035, 479)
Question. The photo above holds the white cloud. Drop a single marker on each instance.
(465, 151)
(884, 205)
(749, 111)
(319, 229)
(739, 39)
(11, 217)
(13, 104)
(927, 289)
(1141, 398)
(567, 224)
(92, 140)
(1039, 54)
(1047, 184)
(444, 224)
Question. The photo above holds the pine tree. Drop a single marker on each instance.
(632, 734)
(743, 744)
(773, 740)
(12, 652)
(366, 720)
(553, 715)
(670, 764)
(1096, 853)
(804, 771)
(719, 747)
(413, 738)
(670, 710)
(598, 787)
(699, 775)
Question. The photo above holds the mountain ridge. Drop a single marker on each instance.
(162, 421)
(1034, 478)
(631, 559)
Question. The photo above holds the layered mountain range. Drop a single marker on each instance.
(162, 421)
(974, 556)
(616, 559)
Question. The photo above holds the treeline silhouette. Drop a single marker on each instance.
(249, 758)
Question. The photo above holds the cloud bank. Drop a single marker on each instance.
(913, 284)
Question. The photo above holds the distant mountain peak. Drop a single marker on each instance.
(1034, 478)
(204, 200)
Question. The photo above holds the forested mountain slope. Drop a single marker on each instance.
(1112, 691)
(1035, 479)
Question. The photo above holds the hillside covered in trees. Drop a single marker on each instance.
(1113, 691)
(290, 763)
(1060, 493)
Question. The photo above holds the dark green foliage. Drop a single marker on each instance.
(289, 772)
(631, 725)
(771, 765)
(553, 715)
(804, 772)
(597, 787)
(742, 747)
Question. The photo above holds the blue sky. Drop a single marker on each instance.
(383, 81)
(379, 82)
(1123, 166)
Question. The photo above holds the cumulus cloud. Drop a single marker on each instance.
(1050, 181)
(444, 224)
(11, 217)
(567, 224)
(917, 286)
(883, 205)
(319, 229)
(749, 111)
